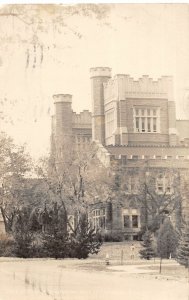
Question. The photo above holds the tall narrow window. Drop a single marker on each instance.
(126, 221)
(149, 124)
(135, 221)
(137, 124)
(143, 124)
(154, 125)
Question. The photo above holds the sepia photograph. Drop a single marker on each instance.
(94, 151)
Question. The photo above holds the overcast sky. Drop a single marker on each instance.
(40, 59)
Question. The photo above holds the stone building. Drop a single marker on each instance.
(67, 126)
(139, 138)
(134, 123)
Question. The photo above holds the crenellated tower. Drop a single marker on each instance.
(62, 121)
(99, 76)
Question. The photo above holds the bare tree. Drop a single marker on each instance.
(73, 179)
(15, 165)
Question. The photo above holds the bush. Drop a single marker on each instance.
(84, 240)
(147, 251)
(23, 245)
(55, 244)
(183, 247)
(113, 237)
(6, 245)
(167, 240)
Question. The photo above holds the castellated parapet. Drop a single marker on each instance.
(123, 86)
(62, 98)
(100, 71)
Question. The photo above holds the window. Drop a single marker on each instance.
(154, 124)
(132, 184)
(135, 221)
(160, 187)
(126, 221)
(163, 185)
(143, 124)
(146, 120)
(130, 218)
(137, 124)
(149, 124)
(99, 218)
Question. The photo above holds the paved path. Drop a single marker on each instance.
(139, 268)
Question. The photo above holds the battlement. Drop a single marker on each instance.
(82, 118)
(62, 98)
(144, 87)
(100, 71)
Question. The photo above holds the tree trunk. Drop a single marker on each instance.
(8, 226)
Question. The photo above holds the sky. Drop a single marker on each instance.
(47, 50)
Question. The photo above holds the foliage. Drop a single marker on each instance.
(15, 164)
(6, 245)
(72, 179)
(112, 237)
(183, 247)
(79, 242)
(167, 240)
(23, 236)
(84, 240)
(138, 187)
(55, 244)
(148, 251)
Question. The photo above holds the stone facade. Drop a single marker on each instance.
(134, 125)
(140, 136)
(67, 126)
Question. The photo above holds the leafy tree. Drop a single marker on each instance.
(148, 251)
(183, 247)
(167, 240)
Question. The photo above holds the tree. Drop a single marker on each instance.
(54, 235)
(84, 240)
(155, 192)
(23, 236)
(78, 243)
(167, 240)
(71, 180)
(183, 247)
(148, 251)
(15, 165)
(159, 204)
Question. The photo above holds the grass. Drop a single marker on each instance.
(173, 271)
